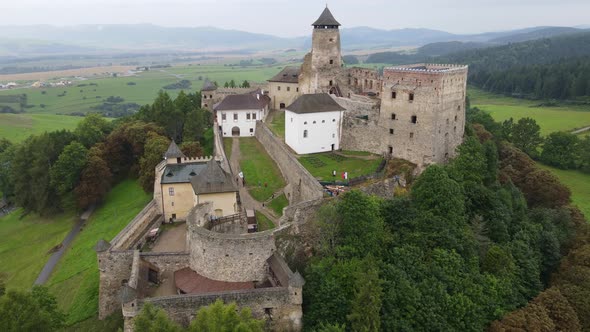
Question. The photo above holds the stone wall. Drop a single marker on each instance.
(303, 186)
(363, 80)
(114, 271)
(134, 233)
(384, 188)
(227, 257)
(167, 262)
(360, 128)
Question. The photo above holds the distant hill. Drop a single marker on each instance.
(444, 48)
(536, 34)
(148, 37)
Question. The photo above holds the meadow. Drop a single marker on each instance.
(263, 177)
(579, 184)
(550, 119)
(17, 127)
(321, 165)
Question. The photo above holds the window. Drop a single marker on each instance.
(331, 62)
(447, 121)
(210, 96)
(323, 121)
(455, 129)
(251, 130)
(411, 97)
(393, 116)
(171, 191)
(458, 108)
(291, 120)
(297, 89)
(331, 82)
(205, 97)
(455, 118)
(247, 116)
(314, 122)
(391, 131)
(278, 88)
(411, 135)
(331, 39)
(393, 95)
(253, 116)
(223, 116)
(172, 203)
(414, 119)
(288, 88)
(333, 120)
(305, 123)
(235, 116)
(305, 133)
(333, 135)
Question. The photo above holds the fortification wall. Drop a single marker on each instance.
(167, 261)
(362, 80)
(303, 186)
(262, 302)
(134, 233)
(159, 171)
(114, 271)
(227, 257)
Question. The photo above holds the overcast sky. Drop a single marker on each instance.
(292, 17)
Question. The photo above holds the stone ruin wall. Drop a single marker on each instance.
(114, 271)
(227, 257)
(359, 134)
(302, 186)
(363, 80)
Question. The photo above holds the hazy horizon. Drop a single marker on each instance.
(293, 19)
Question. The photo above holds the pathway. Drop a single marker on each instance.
(56, 256)
(248, 202)
(581, 130)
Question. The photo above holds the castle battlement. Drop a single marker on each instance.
(432, 68)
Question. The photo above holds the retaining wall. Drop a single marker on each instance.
(303, 186)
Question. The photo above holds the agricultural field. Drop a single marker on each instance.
(551, 119)
(262, 175)
(321, 165)
(25, 245)
(75, 279)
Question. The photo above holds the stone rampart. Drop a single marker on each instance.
(114, 271)
(303, 186)
(167, 261)
(134, 233)
(227, 257)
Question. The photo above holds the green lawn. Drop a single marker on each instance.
(228, 143)
(277, 125)
(264, 223)
(321, 165)
(278, 204)
(551, 119)
(579, 184)
(25, 244)
(75, 279)
(263, 177)
(17, 127)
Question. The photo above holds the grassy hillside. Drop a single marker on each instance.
(75, 279)
(25, 245)
(17, 127)
(579, 184)
(559, 118)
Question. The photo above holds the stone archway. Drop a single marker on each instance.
(235, 131)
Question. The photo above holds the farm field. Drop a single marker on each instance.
(579, 184)
(75, 279)
(25, 245)
(321, 165)
(262, 175)
(551, 119)
(17, 127)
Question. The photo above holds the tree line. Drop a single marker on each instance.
(554, 68)
(61, 170)
(469, 243)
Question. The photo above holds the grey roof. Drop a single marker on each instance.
(315, 103)
(213, 180)
(287, 75)
(127, 294)
(174, 151)
(181, 173)
(246, 101)
(102, 246)
(208, 86)
(326, 19)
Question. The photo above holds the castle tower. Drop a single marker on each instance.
(323, 65)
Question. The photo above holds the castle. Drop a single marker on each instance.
(414, 112)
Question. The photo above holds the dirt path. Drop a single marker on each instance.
(56, 256)
(248, 202)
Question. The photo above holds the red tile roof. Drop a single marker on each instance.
(190, 282)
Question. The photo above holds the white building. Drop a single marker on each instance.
(237, 114)
(313, 123)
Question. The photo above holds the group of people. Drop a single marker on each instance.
(344, 175)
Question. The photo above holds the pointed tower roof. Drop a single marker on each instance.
(102, 246)
(208, 86)
(213, 180)
(326, 19)
(174, 151)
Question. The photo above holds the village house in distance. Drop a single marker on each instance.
(412, 112)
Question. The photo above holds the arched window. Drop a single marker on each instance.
(305, 133)
(305, 123)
